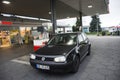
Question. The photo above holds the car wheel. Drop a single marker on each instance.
(75, 66)
(89, 50)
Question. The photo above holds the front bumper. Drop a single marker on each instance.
(56, 67)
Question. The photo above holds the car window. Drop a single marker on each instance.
(63, 39)
(84, 36)
(80, 38)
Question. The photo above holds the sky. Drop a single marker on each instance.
(107, 20)
(113, 18)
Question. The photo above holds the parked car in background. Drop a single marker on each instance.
(63, 52)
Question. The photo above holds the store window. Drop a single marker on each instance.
(5, 38)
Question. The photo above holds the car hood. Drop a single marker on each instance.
(54, 50)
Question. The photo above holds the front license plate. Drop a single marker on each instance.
(43, 67)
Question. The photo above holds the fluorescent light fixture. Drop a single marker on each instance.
(44, 19)
(90, 6)
(97, 13)
(25, 17)
(50, 13)
(68, 17)
(6, 15)
(6, 2)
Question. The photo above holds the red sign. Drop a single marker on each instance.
(6, 23)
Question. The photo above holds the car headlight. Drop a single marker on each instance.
(32, 56)
(60, 59)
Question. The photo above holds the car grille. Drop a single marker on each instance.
(46, 58)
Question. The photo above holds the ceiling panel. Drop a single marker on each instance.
(64, 8)
(99, 6)
(33, 8)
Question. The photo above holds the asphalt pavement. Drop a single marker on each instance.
(102, 64)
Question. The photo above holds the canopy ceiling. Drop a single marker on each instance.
(64, 8)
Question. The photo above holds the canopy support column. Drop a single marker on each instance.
(80, 15)
(53, 14)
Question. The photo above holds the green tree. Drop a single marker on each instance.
(76, 28)
(95, 23)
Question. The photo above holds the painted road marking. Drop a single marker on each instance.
(20, 61)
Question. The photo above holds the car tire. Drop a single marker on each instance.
(75, 66)
(89, 50)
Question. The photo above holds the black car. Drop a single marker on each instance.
(63, 52)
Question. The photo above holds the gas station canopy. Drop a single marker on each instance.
(63, 8)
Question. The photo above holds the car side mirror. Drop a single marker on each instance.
(82, 43)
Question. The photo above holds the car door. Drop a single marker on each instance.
(85, 42)
(81, 45)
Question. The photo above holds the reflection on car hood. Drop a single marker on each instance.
(54, 50)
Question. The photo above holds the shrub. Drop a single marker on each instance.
(103, 33)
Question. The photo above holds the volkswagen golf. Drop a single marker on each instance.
(63, 52)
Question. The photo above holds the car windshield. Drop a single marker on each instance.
(63, 39)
